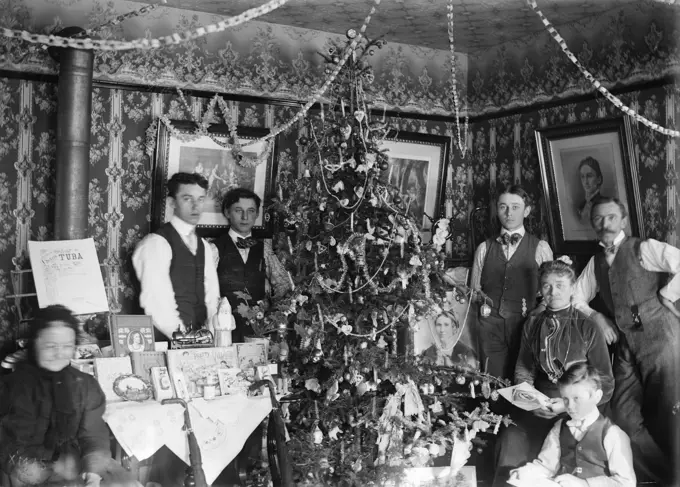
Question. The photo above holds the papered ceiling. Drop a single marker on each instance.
(479, 24)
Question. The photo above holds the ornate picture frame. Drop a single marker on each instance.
(418, 164)
(180, 149)
(579, 161)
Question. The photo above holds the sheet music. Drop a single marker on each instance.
(67, 272)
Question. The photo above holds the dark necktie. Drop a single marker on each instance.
(510, 239)
(245, 243)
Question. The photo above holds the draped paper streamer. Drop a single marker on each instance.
(157, 43)
(319, 93)
(615, 101)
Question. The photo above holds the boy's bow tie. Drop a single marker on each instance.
(245, 243)
(508, 239)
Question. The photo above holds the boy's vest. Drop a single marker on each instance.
(234, 275)
(586, 458)
(187, 272)
(508, 282)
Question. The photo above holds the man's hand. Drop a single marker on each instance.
(670, 305)
(606, 326)
(568, 480)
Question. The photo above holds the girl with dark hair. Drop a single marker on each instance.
(552, 341)
(51, 426)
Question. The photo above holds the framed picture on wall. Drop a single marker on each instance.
(417, 171)
(579, 162)
(179, 150)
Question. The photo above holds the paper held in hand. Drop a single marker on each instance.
(525, 396)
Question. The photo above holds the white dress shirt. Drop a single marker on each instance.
(655, 256)
(543, 254)
(151, 260)
(616, 445)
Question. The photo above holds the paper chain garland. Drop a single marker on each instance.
(462, 144)
(615, 101)
(157, 43)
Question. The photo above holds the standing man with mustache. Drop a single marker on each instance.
(505, 268)
(631, 276)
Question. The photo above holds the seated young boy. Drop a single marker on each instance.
(588, 450)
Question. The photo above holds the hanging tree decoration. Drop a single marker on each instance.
(461, 141)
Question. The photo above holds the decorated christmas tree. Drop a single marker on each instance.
(362, 406)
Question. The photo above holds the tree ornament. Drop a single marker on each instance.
(303, 140)
(396, 199)
(460, 380)
(383, 165)
(485, 310)
(494, 395)
(351, 34)
(318, 435)
(434, 450)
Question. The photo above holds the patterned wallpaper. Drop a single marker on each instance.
(504, 151)
(633, 44)
(256, 58)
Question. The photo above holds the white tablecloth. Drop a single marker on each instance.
(221, 426)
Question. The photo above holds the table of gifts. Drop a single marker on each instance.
(221, 425)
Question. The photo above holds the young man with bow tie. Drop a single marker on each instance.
(587, 450)
(505, 268)
(175, 267)
(632, 278)
(244, 264)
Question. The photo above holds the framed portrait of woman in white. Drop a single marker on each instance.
(443, 337)
(580, 162)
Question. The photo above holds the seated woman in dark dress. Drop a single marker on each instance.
(552, 341)
(51, 427)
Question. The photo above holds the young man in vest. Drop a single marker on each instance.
(246, 265)
(505, 268)
(588, 449)
(631, 276)
(175, 267)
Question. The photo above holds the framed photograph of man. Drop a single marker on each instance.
(181, 150)
(580, 162)
(417, 171)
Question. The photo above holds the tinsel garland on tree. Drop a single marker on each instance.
(362, 406)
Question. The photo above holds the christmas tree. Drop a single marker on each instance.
(362, 406)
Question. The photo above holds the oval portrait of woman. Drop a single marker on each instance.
(136, 342)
